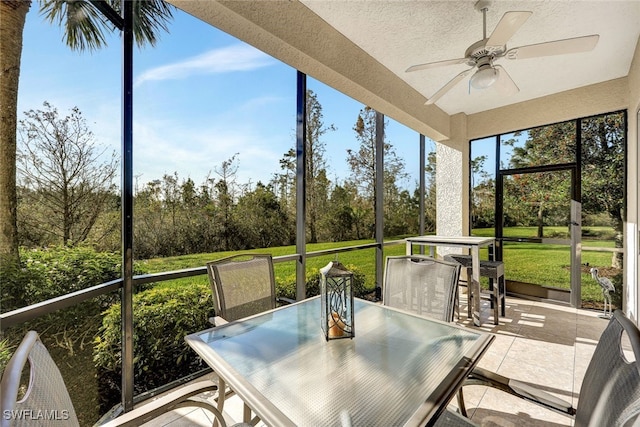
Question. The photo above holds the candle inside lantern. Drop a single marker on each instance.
(336, 326)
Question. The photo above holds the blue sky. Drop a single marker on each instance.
(200, 96)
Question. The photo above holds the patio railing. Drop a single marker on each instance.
(24, 314)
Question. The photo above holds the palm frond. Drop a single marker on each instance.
(85, 26)
(149, 16)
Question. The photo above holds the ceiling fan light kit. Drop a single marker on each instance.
(485, 77)
(482, 54)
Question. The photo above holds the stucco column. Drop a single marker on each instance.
(452, 182)
(632, 230)
(631, 277)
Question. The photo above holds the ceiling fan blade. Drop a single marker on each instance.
(436, 64)
(506, 28)
(505, 84)
(558, 47)
(444, 89)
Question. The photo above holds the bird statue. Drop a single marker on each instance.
(607, 287)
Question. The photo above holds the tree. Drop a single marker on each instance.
(603, 166)
(483, 189)
(11, 25)
(431, 196)
(546, 195)
(285, 183)
(317, 188)
(84, 29)
(316, 164)
(226, 194)
(363, 162)
(67, 183)
(263, 223)
(340, 224)
(541, 195)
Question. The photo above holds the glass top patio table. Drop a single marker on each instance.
(399, 369)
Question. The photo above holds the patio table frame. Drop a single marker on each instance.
(473, 243)
(399, 369)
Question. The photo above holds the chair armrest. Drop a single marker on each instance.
(217, 321)
(285, 300)
(480, 376)
(185, 396)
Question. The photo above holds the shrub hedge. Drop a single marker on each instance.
(162, 317)
(6, 351)
(287, 287)
(58, 270)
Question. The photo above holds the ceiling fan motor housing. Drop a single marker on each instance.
(478, 51)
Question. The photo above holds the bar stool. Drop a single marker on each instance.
(494, 271)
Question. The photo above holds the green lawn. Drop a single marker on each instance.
(549, 264)
(525, 262)
(364, 260)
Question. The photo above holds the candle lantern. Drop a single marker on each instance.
(336, 293)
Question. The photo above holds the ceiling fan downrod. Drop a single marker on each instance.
(483, 6)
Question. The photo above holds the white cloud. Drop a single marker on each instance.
(227, 59)
(165, 148)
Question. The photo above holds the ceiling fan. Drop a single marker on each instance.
(481, 55)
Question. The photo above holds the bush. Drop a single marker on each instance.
(63, 270)
(162, 316)
(6, 351)
(287, 287)
(15, 281)
(59, 270)
(601, 219)
(55, 271)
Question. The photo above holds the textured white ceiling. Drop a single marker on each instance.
(399, 34)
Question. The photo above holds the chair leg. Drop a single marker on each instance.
(222, 387)
(461, 406)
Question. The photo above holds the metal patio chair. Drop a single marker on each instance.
(422, 285)
(243, 285)
(43, 393)
(610, 391)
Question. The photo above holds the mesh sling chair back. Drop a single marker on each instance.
(42, 399)
(421, 285)
(610, 391)
(242, 285)
(45, 389)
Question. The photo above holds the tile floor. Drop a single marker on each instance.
(544, 344)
